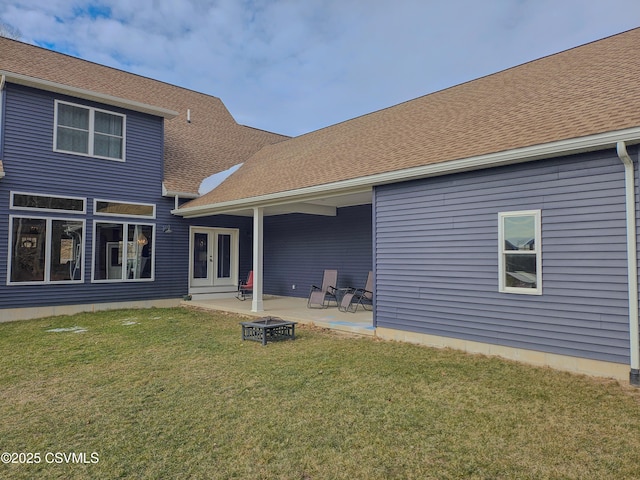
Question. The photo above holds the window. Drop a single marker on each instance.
(123, 252)
(520, 259)
(32, 201)
(45, 250)
(122, 209)
(88, 131)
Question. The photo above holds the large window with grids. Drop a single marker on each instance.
(89, 131)
(520, 258)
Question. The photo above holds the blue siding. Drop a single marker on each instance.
(33, 166)
(297, 248)
(436, 257)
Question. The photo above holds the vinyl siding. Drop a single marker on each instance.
(32, 166)
(436, 257)
(298, 248)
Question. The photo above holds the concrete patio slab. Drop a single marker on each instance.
(295, 310)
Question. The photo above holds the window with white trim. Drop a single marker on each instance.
(124, 209)
(45, 250)
(123, 251)
(520, 257)
(89, 131)
(50, 203)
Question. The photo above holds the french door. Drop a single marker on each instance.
(214, 259)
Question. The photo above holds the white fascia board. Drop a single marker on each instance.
(519, 155)
(87, 94)
(174, 193)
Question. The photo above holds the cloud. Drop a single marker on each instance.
(291, 66)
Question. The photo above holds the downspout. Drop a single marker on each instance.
(632, 262)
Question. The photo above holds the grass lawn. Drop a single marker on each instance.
(175, 393)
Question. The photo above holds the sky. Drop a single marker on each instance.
(294, 66)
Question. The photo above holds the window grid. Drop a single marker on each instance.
(106, 140)
(520, 252)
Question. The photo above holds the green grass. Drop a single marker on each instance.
(175, 393)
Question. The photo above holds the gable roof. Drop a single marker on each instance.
(213, 141)
(576, 94)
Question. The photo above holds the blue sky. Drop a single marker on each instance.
(292, 66)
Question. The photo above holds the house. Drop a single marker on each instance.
(498, 216)
(93, 162)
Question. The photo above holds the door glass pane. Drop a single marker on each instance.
(66, 250)
(200, 255)
(224, 256)
(28, 250)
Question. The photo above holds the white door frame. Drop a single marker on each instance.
(209, 281)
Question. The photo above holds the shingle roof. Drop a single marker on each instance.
(580, 92)
(212, 142)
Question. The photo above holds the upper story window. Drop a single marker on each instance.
(520, 257)
(89, 131)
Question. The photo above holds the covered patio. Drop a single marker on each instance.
(295, 309)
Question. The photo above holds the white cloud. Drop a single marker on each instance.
(292, 66)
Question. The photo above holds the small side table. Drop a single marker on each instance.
(272, 328)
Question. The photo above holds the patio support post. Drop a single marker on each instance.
(258, 244)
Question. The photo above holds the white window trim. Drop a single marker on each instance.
(95, 209)
(125, 227)
(52, 210)
(92, 111)
(502, 288)
(47, 264)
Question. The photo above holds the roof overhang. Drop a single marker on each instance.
(86, 94)
(310, 195)
(175, 193)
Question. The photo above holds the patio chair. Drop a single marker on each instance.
(355, 297)
(321, 297)
(245, 289)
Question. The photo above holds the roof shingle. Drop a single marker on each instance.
(579, 92)
(212, 142)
